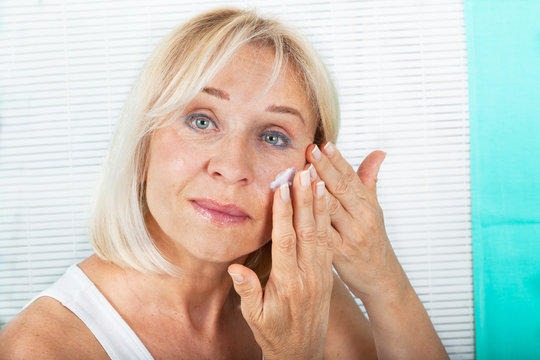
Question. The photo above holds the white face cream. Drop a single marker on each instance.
(284, 177)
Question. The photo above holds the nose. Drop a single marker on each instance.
(231, 161)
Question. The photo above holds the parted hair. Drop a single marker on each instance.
(181, 65)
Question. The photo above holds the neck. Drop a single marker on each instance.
(201, 296)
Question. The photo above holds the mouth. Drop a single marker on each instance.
(219, 213)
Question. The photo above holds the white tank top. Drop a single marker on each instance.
(79, 294)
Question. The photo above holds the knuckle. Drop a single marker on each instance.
(322, 236)
(253, 319)
(333, 205)
(330, 243)
(286, 241)
(243, 290)
(350, 175)
(342, 186)
(307, 233)
(306, 201)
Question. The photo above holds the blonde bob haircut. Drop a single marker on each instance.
(177, 70)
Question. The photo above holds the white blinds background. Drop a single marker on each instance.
(400, 67)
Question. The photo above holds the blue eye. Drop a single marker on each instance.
(275, 138)
(200, 122)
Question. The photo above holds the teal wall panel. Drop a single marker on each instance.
(503, 45)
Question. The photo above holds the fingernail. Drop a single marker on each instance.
(237, 278)
(312, 172)
(320, 189)
(305, 179)
(316, 153)
(329, 149)
(284, 192)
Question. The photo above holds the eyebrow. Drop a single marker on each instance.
(271, 108)
(285, 110)
(217, 93)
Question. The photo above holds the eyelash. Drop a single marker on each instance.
(280, 136)
(192, 117)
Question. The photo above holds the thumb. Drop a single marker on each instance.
(247, 285)
(369, 168)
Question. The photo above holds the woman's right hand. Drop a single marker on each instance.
(289, 318)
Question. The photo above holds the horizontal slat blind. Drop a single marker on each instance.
(400, 67)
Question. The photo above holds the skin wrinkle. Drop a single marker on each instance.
(223, 95)
(238, 117)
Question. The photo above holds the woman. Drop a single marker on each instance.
(184, 214)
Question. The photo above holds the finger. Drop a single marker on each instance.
(369, 168)
(344, 185)
(346, 226)
(303, 220)
(247, 285)
(343, 166)
(283, 235)
(322, 223)
(340, 218)
(313, 173)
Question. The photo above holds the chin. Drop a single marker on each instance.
(223, 245)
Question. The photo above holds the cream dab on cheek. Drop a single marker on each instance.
(284, 177)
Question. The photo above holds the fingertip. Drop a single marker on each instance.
(382, 154)
(329, 149)
(312, 172)
(313, 153)
(234, 268)
(237, 278)
(240, 275)
(320, 189)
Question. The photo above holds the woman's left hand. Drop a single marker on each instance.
(366, 262)
(363, 255)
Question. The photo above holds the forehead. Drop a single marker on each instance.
(247, 76)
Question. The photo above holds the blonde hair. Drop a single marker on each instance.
(177, 70)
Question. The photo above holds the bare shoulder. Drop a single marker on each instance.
(349, 332)
(48, 330)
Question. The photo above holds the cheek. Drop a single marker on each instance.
(170, 167)
(267, 172)
(270, 171)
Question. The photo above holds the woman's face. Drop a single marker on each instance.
(208, 180)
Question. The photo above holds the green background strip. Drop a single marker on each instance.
(503, 41)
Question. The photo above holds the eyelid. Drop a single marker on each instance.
(193, 116)
(281, 135)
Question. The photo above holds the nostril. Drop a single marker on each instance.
(230, 170)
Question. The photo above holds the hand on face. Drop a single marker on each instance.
(363, 256)
(291, 319)
(347, 228)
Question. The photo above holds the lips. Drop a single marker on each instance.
(219, 213)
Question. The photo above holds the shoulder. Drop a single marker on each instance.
(349, 332)
(48, 330)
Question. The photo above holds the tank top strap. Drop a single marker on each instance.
(79, 294)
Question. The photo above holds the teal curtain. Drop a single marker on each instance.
(503, 45)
